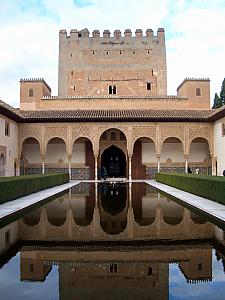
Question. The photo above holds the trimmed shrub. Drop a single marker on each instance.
(19, 186)
(210, 187)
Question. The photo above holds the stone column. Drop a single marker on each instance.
(43, 163)
(158, 163)
(69, 164)
(96, 168)
(213, 165)
(186, 163)
(129, 167)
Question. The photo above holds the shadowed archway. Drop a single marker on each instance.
(113, 160)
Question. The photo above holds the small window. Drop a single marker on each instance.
(148, 86)
(71, 73)
(112, 89)
(120, 52)
(93, 52)
(200, 267)
(79, 35)
(7, 237)
(107, 52)
(71, 54)
(223, 129)
(7, 128)
(149, 270)
(31, 92)
(198, 92)
(113, 136)
(31, 268)
(133, 52)
(74, 88)
(113, 268)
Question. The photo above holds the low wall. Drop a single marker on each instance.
(19, 186)
(207, 186)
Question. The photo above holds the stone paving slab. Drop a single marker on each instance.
(19, 204)
(214, 209)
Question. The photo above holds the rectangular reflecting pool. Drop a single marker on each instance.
(112, 241)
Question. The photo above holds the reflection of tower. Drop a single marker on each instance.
(33, 269)
(120, 280)
(199, 265)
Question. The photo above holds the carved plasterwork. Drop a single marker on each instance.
(30, 132)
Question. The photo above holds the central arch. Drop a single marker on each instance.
(113, 160)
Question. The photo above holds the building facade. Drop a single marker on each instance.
(112, 113)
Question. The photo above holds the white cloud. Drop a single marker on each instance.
(195, 33)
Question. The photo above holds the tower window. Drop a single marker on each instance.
(112, 89)
(31, 93)
(71, 73)
(148, 86)
(71, 54)
(107, 52)
(133, 52)
(93, 52)
(74, 88)
(120, 52)
(198, 92)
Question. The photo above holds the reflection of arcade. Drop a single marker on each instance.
(113, 207)
(94, 274)
(108, 215)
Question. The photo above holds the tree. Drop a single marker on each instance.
(222, 93)
(217, 101)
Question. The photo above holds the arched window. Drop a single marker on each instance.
(31, 92)
(198, 92)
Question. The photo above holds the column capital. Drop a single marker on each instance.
(43, 157)
(158, 156)
(186, 156)
(69, 156)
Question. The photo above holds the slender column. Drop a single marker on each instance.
(43, 163)
(213, 165)
(96, 168)
(158, 163)
(129, 170)
(69, 165)
(186, 163)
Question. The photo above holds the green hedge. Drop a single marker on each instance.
(18, 186)
(210, 187)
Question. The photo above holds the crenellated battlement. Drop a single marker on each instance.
(117, 34)
(40, 79)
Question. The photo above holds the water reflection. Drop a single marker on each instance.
(113, 208)
(114, 242)
(114, 212)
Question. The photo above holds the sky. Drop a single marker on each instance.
(195, 36)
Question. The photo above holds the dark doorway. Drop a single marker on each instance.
(114, 160)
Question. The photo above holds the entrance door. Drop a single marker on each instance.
(114, 161)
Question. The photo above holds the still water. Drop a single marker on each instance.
(112, 241)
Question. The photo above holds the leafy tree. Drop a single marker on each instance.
(217, 101)
(222, 93)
